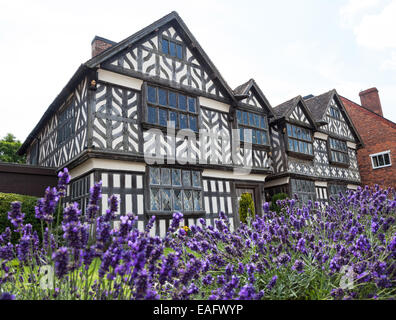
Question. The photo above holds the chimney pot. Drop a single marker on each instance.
(370, 100)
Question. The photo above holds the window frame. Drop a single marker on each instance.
(158, 106)
(298, 153)
(330, 150)
(176, 42)
(372, 156)
(60, 138)
(252, 127)
(172, 187)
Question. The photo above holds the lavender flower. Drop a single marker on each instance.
(15, 215)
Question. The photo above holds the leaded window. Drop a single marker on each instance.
(253, 127)
(334, 112)
(163, 106)
(380, 160)
(174, 190)
(305, 189)
(66, 124)
(172, 48)
(79, 192)
(338, 151)
(336, 189)
(34, 153)
(299, 139)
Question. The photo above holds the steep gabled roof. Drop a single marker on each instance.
(285, 109)
(185, 33)
(94, 62)
(242, 92)
(318, 106)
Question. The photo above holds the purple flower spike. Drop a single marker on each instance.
(63, 181)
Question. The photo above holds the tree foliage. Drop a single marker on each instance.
(245, 204)
(9, 146)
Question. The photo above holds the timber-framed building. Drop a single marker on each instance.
(118, 120)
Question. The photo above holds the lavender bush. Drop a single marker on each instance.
(345, 250)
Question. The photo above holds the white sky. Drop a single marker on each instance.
(289, 47)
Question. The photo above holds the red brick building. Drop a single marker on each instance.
(377, 160)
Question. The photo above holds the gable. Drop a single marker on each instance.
(337, 123)
(299, 115)
(252, 100)
(146, 58)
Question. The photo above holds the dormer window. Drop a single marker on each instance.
(172, 48)
(257, 123)
(299, 139)
(338, 151)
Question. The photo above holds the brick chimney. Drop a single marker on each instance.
(370, 99)
(100, 44)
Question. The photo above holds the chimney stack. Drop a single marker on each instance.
(100, 44)
(370, 100)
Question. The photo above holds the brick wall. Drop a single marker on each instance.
(378, 134)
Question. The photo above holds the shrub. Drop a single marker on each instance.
(28, 203)
(275, 197)
(245, 204)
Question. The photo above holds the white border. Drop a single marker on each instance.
(378, 154)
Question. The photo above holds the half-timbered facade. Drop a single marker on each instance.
(153, 119)
(314, 148)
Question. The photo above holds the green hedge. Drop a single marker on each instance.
(278, 196)
(28, 203)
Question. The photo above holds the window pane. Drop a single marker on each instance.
(151, 94)
(187, 200)
(262, 123)
(182, 102)
(301, 147)
(256, 121)
(239, 116)
(165, 46)
(191, 104)
(254, 140)
(152, 115)
(173, 117)
(241, 134)
(294, 131)
(310, 148)
(197, 200)
(177, 200)
(247, 133)
(166, 200)
(289, 130)
(176, 177)
(186, 178)
(375, 160)
(155, 199)
(251, 119)
(193, 123)
(162, 97)
(291, 145)
(264, 137)
(258, 137)
(165, 176)
(154, 176)
(172, 99)
(163, 117)
(296, 145)
(183, 121)
(172, 49)
(381, 160)
(386, 159)
(196, 180)
(179, 51)
(245, 118)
